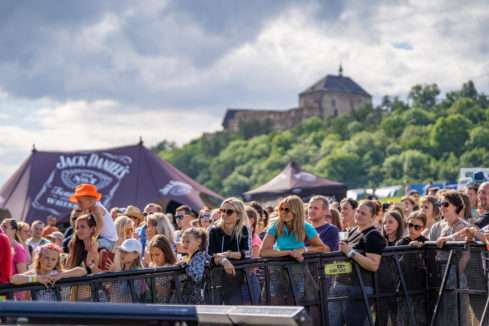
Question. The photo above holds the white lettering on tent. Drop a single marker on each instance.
(105, 170)
(307, 177)
(176, 188)
(73, 161)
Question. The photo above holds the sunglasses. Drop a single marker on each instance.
(179, 217)
(284, 209)
(444, 203)
(206, 217)
(228, 212)
(415, 226)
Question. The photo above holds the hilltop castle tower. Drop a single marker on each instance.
(330, 96)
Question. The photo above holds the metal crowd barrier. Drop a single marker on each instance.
(414, 286)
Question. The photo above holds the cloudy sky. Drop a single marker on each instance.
(91, 74)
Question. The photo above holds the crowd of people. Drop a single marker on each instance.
(101, 240)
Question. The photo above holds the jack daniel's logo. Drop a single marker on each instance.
(105, 170)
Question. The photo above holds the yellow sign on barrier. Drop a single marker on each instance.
(337, 268)
(3, 298)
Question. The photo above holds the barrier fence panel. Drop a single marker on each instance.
(413, 286)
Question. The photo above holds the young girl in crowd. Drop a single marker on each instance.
(47, 270)
(285, 237)
(158, 224)
(127, 258)
(19, 254)
(262, 221)
(230, 240)
(162, 255)
(256, 243)
(194, 243)
(392, 230)
(393, 227)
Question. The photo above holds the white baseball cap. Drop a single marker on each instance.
(132, 245)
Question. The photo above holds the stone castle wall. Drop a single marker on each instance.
(312, 103)
(279, 120)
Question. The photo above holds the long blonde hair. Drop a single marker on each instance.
(121, 223)
(296, 207)
(242, 221)
(163, 225)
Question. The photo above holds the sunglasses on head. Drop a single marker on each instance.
(226, 211)
(415, 226)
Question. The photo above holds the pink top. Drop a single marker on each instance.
(256, 241)
(20, 256)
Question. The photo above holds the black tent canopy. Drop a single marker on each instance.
(295, 181)
(129, 175)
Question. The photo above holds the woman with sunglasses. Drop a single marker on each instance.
(451, 205)
(416, 224)
(452, 227)
(230, 240)
(413, 268)
(204, 219)
(286, 236)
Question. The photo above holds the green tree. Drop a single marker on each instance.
(449, 134)
(417, 116)
(393, 167)
(342, 166)
(475, 157)
(392, 125)
(479, 137)
(416, 166)
(236, 184)
(424, 96)
(448, 169)
(415, 137)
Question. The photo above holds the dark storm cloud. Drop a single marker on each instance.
(43, 56)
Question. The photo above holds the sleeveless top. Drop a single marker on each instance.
(108, 232)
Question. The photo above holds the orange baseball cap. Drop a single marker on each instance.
(85, 190)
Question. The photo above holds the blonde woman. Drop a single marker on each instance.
(124, 227)
(285, 237)
(158, 224)
(230, 240)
